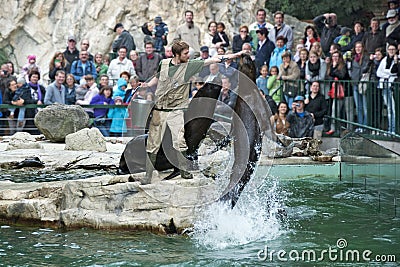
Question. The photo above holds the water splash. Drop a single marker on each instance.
(254, 218)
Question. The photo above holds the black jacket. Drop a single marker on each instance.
(318, 107)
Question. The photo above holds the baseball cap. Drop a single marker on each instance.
(299, 98)
(204, 48)
(72, 38)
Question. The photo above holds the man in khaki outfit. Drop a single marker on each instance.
(172, 98)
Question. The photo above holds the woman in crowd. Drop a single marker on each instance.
(289, 73)
(220, 38)
(279, 122)
(32, 94)
(316, 46)
(336, 69)
(316, 71)
(359, 65)
(310, 37)
(387, 73)
(276, 55)
(101, 68)
(134, 56)
(70, 89)
(241, 38)
(317, 106)
(208, 38)
(356, 36)
(301, 63)
(100, 114)
(12, 113)
(374, 94)
(57, 62)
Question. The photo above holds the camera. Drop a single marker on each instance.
(297, 105)
(328, 20)
(5, 72)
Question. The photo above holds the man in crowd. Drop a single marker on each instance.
(71, 53)
(281, 29)
(392, 29)
(120, 64)
(328, 28)
(374, 38)
(189, 32)
(258, 24)
(55, 92)
(264, 49)
(301, 121)
(124, 39)
(147, 63)
(85, 47)
(82, 67)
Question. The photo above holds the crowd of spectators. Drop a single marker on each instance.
(304, 78)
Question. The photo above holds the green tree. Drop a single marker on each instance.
(347, 11)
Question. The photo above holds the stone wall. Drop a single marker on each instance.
(41, 27)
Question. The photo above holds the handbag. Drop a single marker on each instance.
(338, 88)
(363, 85)
(290, 90)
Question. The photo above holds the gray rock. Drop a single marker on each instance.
(58, 121)
(23, 140)
(86, 139)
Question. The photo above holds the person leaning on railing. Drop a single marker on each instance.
(336, 69)
(100, 114)
(388, 72)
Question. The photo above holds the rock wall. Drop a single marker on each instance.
(41, 27)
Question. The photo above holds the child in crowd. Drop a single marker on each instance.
(220, 39)
(274, 85)
(262, 80)
(160, 33)
(344, 38)
(30, 66)
(117, 116)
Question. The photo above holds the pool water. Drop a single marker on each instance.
(341, 217)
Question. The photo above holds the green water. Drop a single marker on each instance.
(359, 210)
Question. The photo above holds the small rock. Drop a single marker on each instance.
(23, 140)
(86, 139)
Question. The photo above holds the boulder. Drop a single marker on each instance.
(23, 140)
(86, 139)
(58, 121)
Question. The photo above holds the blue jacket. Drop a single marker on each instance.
(78, 71)
(118, 115)
(119, 91)
(276, 56)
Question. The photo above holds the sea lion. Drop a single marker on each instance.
(250, 123)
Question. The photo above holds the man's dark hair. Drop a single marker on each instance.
(279, 13)
(189, 11)
(262, 10)
(124, 47)
(178, 47)
(148, 42)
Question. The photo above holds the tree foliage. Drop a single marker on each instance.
(347, 11)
